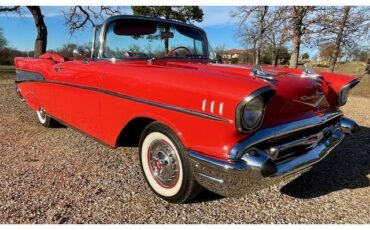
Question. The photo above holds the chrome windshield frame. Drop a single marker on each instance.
(106, 24)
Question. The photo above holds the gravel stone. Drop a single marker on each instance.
(61, 176)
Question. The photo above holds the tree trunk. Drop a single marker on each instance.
(275, 51)
(338, 40)
(275, 56)
(42, 32)
(296, 45)
(297, 34)
(260, 35)
(257, 55)
(295, 53)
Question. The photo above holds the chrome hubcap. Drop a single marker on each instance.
(163, 163)
(42, 114)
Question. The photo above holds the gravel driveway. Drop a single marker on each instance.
(61, 176)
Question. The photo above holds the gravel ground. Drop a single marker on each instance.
(61, 176)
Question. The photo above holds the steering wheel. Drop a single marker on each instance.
(176, 48)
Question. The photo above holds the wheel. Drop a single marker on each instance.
(165, 166)
(46, 120)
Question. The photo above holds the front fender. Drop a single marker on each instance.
(338, 81)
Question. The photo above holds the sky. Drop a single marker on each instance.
(21, 33)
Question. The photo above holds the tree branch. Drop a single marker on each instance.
(10, 9)
(78, 17)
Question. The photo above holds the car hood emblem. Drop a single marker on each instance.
(313, 100)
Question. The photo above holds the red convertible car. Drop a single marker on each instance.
(155, 84)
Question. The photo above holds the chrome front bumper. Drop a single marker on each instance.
(250, 168)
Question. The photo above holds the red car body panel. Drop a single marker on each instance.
(75, 93)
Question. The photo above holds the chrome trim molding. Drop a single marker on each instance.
(281, 130)
(256, 170)
(312, 157)
(136, 99)
(314, 105)
(19, 94)
(349, 126)
(311, 140)
(353, 83)
(22, 76)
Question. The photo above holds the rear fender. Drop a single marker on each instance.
(32, 101)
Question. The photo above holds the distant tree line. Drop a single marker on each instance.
(339, 30)
(8, 54)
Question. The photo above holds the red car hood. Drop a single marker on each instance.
(296, 97)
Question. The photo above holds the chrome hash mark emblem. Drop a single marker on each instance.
(313, 101)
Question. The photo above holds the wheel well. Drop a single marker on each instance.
(130, 134)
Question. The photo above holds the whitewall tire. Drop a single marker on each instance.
(45, 119)
(161, 164)
(165, 166)
(41, 115)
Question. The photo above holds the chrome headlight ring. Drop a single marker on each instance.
(344, 91)
(250, 112)
(343, 95)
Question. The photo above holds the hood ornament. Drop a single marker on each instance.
(258, 72)
(310, 73)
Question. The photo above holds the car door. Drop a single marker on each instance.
(76, 95)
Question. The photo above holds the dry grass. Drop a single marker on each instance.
(6, 67)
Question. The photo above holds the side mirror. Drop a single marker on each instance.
(81, 54)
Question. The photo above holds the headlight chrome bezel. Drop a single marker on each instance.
(343, 95)
(346, 89)
(258, 101)
(264, 94)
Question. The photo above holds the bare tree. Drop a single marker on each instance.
(38, 17)
(77, 17)
(326, 51)
(344, 27)
(299, 20)
(248, 16)
(277, 34)
(220, 49)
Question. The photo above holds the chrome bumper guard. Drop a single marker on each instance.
(255, 168)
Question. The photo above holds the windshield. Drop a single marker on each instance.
(135, 38)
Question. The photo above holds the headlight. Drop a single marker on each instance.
(249, 112)
(343, 96)
(252, 113)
